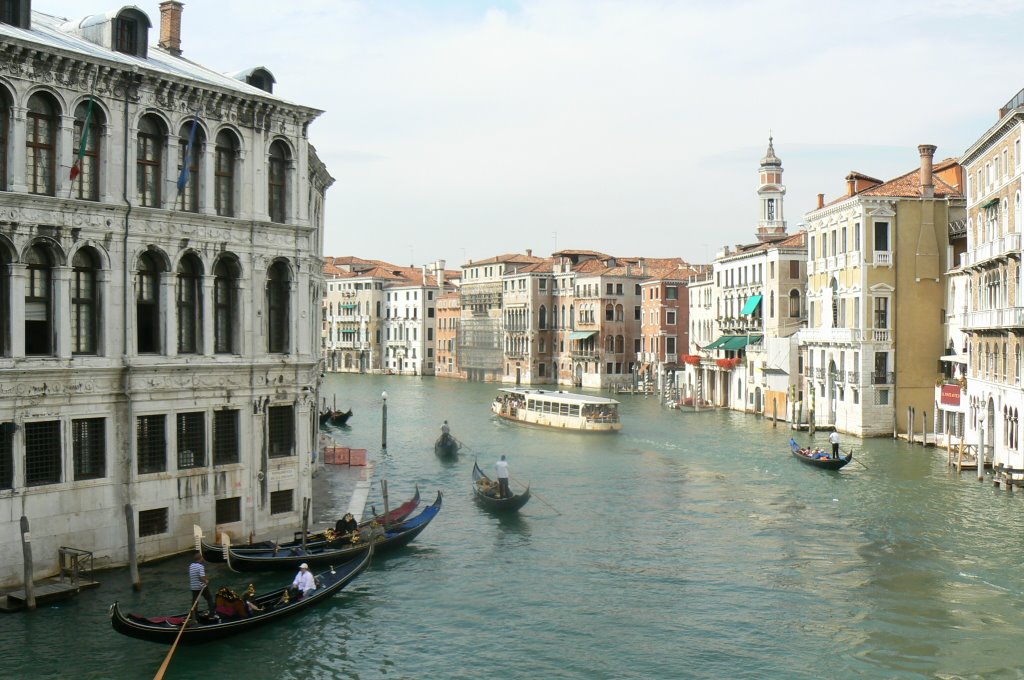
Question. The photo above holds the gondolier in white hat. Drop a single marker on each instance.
(304, 581)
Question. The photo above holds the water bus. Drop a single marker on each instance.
(561, 410)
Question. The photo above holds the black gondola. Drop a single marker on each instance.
(383, 539)
(335, 418)
(214, 552)
(165, 629)
(447, 446)
(486, 492)
(825, 463)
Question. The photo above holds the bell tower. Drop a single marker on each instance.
(771, 224)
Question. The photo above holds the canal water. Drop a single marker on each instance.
(690, 545)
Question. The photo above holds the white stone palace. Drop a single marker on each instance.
(160, 291)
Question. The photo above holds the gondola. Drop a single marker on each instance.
(165, 629)
(828, 463)
(486, 492)
(447, 446)
(214, 552)
(335, 418)
(291, 558)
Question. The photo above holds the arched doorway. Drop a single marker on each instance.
(832, 390)
(990, 434)
(757, 400)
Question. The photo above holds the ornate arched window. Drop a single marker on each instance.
(149, 162)
(278, 279)
(277, 182)
(147, 304)
(39, 302)
(84, 302)
(189, 294)
(41, 144)
(190, 143)
(225, 159)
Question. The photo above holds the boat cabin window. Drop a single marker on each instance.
(574, 410)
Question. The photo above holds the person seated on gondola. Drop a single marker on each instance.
(304, 581)
(249, 598)
(346, 525)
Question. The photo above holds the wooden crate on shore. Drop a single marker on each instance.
(357, 457)
(336, 455)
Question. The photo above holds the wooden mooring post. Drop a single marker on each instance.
(26, 549)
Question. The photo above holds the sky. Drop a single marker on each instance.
(462, 129)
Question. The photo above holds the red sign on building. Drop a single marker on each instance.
(950, 395)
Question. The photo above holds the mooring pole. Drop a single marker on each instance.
(384, 421)
(133, 560)
(26, 549)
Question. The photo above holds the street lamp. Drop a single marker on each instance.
(384, 421)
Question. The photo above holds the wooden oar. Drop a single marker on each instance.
(167, 660)
(857, 461)
(534, 494)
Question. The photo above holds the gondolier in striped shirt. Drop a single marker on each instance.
(199, 582)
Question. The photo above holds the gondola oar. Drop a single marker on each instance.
(857, 461)
(167, 659)
(534, 494)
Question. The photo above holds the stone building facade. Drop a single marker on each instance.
(159, 346)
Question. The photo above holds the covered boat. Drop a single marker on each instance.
(214, 552)
(245, 559)
(335, 418)
(486, 492)
(818, 458)
(233, 616)
(558, 410)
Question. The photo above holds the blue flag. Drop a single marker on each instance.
(183, 177)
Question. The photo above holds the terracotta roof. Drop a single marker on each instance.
(907, 185)
(506, 258)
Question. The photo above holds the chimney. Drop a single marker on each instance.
(927, 152)
(529, 252)
(851, 184)
(821, 200)
(170, 26)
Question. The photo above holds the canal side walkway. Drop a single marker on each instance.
(338, 489)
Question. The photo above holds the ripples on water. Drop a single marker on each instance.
(688, 546)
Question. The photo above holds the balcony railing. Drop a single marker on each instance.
(882, 258)
(993, 318)
(1001, 247)
(819, 373)
(881, 335)
(830, 335)
(853, 377)
(883, 378)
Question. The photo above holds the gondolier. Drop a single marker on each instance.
(502, 470)
(833, 439)
(199, 582)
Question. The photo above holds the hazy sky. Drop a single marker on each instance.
(462, 129)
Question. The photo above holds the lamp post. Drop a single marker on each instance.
(384, 421)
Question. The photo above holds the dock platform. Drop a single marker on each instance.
(46, 591)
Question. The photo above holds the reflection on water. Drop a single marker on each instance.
(689, 545)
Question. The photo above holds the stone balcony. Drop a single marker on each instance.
(1000, 248)
(1008, 317)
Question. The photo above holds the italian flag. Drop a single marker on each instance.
(76, 167)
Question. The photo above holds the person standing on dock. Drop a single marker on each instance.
(502, 468)
(199, 582)
(834, 440)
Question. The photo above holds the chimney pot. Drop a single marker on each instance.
(170, 26)
(927, 152)
(821, 200)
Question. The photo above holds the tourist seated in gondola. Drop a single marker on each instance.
(249, 599)
(229, 604)
(346, 525)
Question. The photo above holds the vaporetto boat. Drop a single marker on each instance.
(560, 410)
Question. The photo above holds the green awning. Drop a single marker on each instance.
(739, 342)
(348, 330)
(989, 203)
(347, 306)
(717, 343)
(581, 335)
(751, 305)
